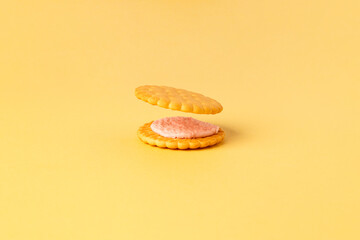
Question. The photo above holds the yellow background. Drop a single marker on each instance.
(286, 72)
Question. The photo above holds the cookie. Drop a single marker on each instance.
(178, 99)
(147, 135)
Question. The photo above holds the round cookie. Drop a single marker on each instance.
(178, 99)
(147, 135)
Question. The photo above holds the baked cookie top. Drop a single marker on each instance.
(178, 99)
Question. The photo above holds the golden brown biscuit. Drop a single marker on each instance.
(147, 135)
(178, 99)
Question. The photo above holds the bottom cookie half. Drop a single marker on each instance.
(147, 135)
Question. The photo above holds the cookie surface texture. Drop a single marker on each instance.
(178, 99)
(147, 135)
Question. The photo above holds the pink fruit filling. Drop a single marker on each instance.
(183, 127)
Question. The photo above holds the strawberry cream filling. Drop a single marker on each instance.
(183, 127)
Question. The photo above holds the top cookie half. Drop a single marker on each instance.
(178, 99)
